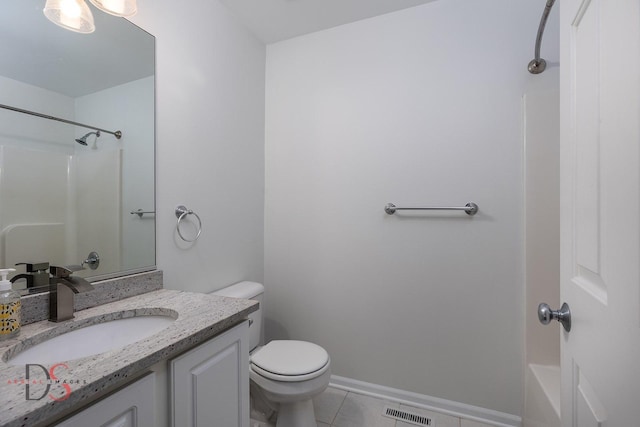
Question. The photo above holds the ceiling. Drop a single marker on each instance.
(276, 20)
(39, 53)
(76, 64)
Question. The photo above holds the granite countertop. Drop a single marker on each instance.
(199, 317)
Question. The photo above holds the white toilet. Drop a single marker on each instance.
(287, 373)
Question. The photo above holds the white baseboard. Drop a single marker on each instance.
(449, 407)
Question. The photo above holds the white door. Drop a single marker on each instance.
(600, 215)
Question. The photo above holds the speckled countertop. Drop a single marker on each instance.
(199, 317)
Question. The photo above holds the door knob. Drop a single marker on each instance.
(546, 315)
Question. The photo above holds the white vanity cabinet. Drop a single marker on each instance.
(131, 406)
(209, 384)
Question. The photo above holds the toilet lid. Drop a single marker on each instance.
(290, 358)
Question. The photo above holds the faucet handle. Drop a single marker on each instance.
(60, 272)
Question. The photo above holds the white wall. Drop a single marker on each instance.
(419, 107)
(210, 142)
(23, 130)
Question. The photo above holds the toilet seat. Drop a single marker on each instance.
(290, 360)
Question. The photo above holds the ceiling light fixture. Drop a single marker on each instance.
(117, 7)
(76, 16)
(73, 15)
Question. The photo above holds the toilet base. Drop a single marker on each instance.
(261, 409)
(291, 399)
(296, 414)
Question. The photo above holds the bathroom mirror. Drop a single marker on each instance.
(61, 200)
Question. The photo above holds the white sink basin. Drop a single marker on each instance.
(92, 339)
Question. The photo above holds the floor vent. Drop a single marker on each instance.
(407, 417)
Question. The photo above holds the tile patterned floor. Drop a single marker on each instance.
(339, 408)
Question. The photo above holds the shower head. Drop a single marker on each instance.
(83, 140)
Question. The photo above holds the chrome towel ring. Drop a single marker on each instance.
(181, 213)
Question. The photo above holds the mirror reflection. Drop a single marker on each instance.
(70, 195)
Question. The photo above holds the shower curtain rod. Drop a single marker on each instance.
(538, 65)
(117, 133)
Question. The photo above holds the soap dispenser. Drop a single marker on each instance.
(9, 307)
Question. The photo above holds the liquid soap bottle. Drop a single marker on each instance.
(9, 307)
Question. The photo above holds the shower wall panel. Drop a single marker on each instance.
(34, 206)
(542, 247)
(34, 176)
(135, 120)
(98, 209)
(57, 204)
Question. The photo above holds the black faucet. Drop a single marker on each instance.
(36, 275)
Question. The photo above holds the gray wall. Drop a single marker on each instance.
(422, 106)
(418, 107)
(210, 142)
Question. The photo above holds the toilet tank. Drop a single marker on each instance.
(252, 291)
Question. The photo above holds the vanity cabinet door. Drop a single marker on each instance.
(132, 406)
(209, 384)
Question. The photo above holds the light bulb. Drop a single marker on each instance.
(69, 9)
(73, 15)
(117, 7)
